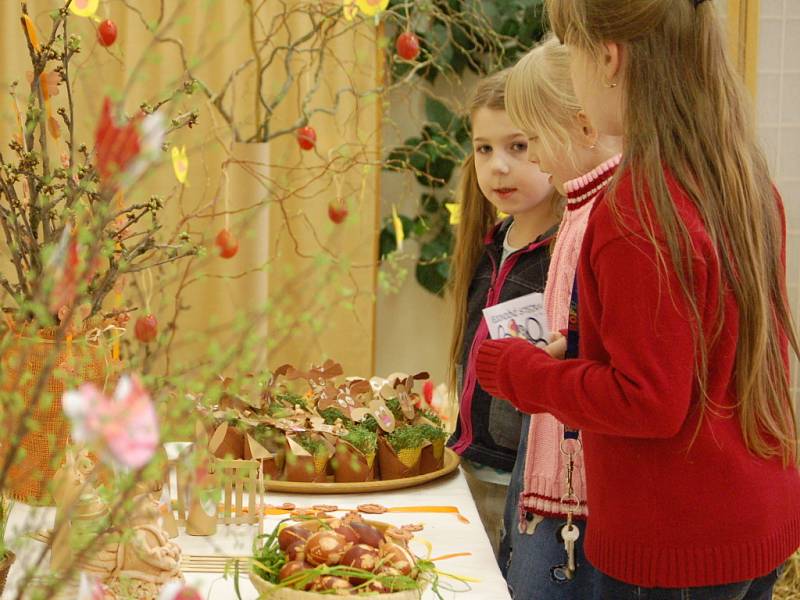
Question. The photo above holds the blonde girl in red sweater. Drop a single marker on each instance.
(580, 162)
(681, 388)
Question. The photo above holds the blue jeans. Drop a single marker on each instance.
(525, 560)
(754, 589)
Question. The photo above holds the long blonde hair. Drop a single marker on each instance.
(686, 107)
(478, 217)
(539, 95)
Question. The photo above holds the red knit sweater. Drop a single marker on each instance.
(665, 512)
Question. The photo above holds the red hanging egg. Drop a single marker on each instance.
(146, 328)
(337, 212)
(407, 45)
(107, 33)
(227, 243)
(307, 137)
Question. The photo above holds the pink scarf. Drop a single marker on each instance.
(544, 464)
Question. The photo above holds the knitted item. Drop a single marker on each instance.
(545, 465)
(677, 498)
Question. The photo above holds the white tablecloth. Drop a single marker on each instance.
(444, 531)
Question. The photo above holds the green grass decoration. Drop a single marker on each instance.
(410, 436)
(267, 435)
(290, 399)
(431, 433)
(370, 423)
(364, 440)
(314, 445)
(431, 416)
(268, 559)
(332, 414)
(393, 404)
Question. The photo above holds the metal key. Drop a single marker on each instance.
(560, 573)
(570, 534)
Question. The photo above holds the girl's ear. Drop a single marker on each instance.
(612, 57)
(588, 133)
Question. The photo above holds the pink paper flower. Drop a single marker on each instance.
(177, 590)
(92, 589)
(126, 424)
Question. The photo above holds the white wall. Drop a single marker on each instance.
(778, 109)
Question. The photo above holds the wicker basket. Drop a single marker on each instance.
(788, 588)
(270, 591)
(22, 361)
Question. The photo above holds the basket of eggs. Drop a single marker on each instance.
(314, 558)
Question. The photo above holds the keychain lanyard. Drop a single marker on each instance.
(568, 534)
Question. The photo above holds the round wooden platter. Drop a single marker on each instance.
(451, 460)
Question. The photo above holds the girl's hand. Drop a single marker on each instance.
(557, 347)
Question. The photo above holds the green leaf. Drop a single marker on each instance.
(438, 113)
(387, 242)
(429, 203)
(429, 277)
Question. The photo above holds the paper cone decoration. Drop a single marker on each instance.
(271, 463)
(302, 466)
(397, 465)
(432, 457)
(226, 442)
(202, 516)
(351, 465)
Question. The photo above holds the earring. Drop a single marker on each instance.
(610, 85)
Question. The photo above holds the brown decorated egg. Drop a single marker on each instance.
(329, 582)
(291, 534)
(296, 550)
(291, 569)
(397, 557)
(367, 534)
(361, 556)
(326, 547)
(348, 533)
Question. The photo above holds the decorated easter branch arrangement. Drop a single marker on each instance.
(318, 555)
(303, 426)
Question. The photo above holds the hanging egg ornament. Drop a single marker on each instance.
(146, 328)
(307, 137)
(407, 45)
(227, 243)
(337, 212)
(107, 33)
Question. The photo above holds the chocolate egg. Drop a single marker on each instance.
(367, 534)
(291, 534)
(326, 547)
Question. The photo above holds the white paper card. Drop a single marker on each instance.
(522, 317)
